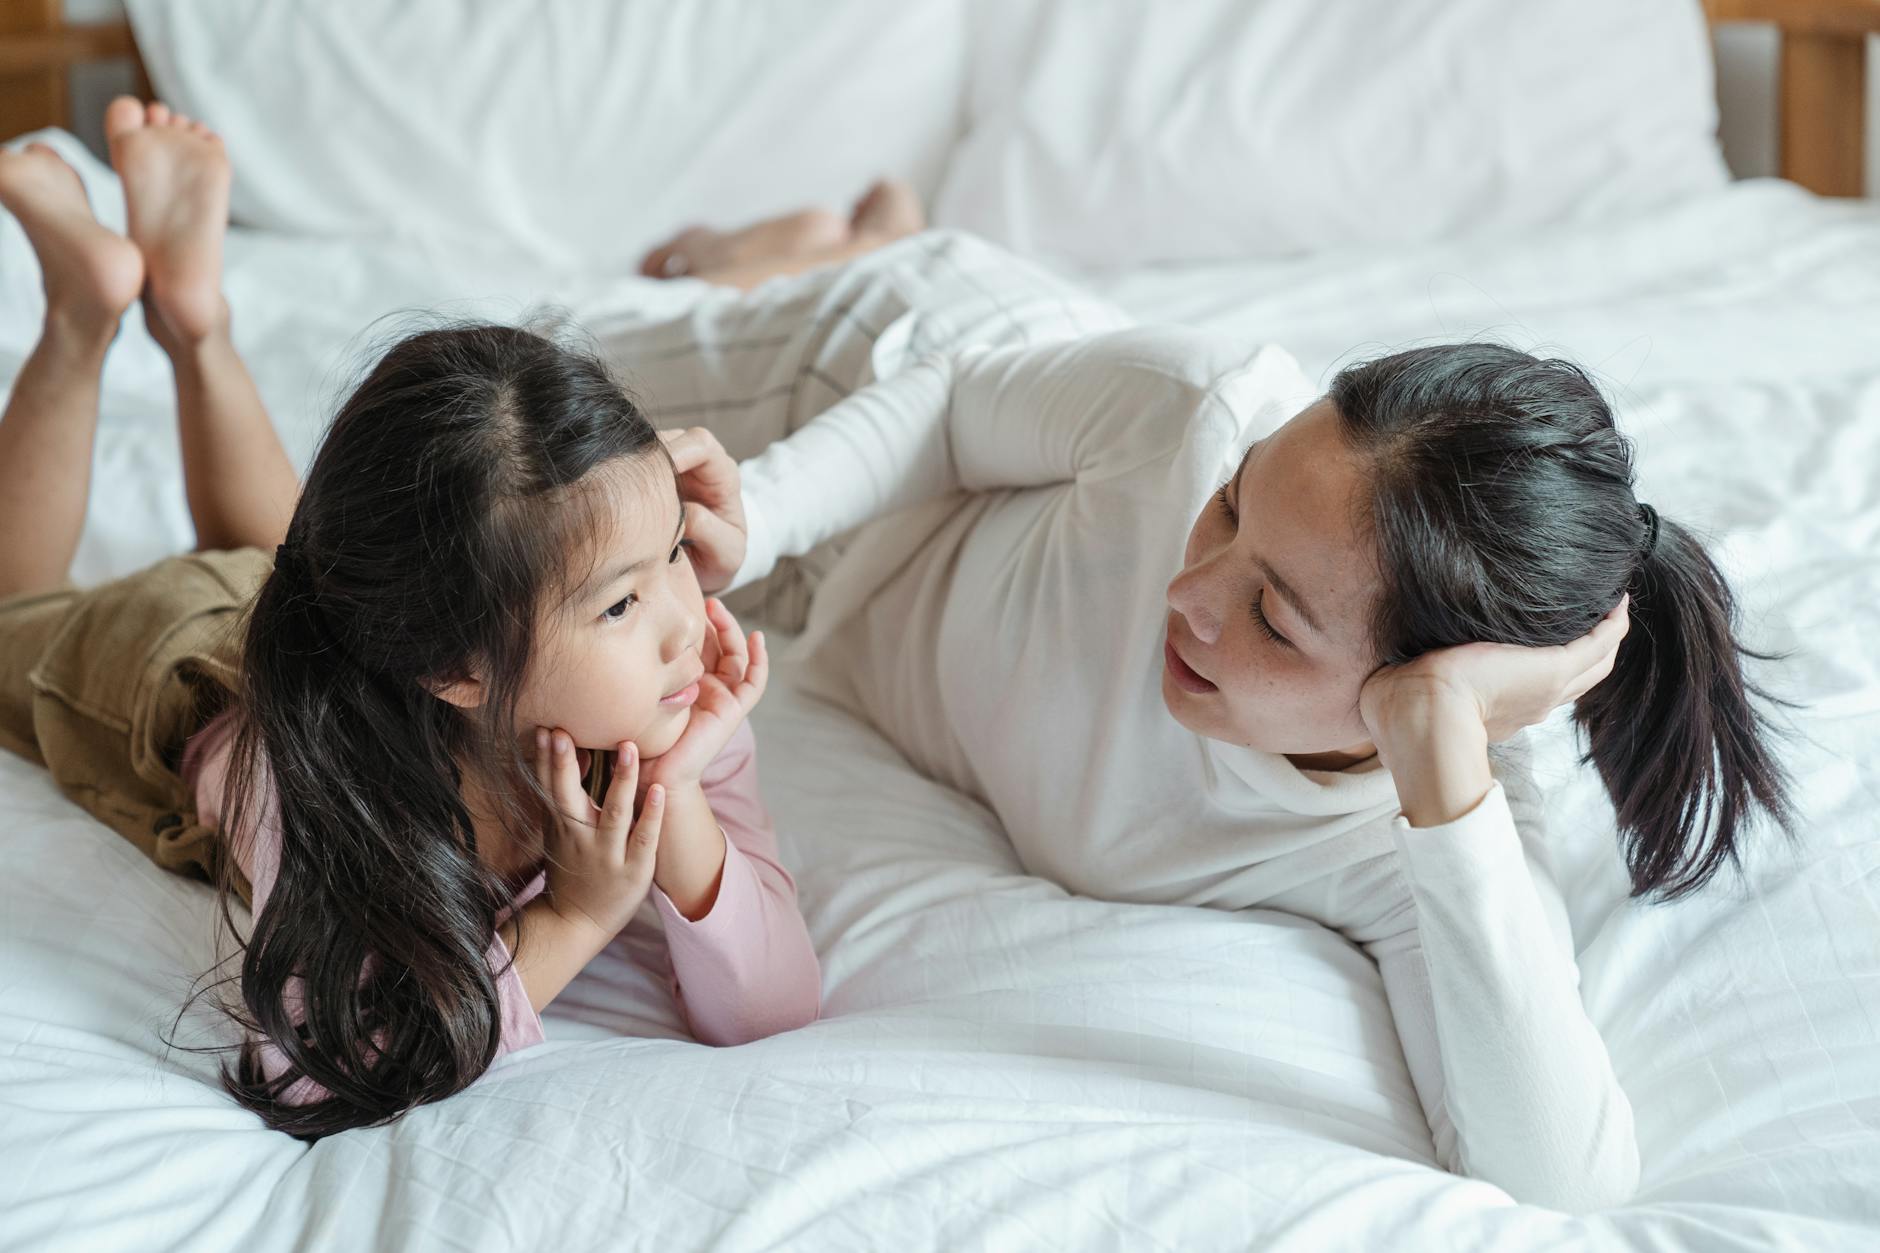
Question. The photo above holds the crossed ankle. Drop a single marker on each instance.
(191, 334)
(81, 324)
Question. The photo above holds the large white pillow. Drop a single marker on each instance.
(1107, 133)
(583, 131)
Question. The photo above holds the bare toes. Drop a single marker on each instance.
(158, 114)
(665, 261)
(124, 114)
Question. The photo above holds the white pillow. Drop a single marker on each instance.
(1107, 133)
(583, 131)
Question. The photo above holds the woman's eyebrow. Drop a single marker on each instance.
(1298, 602)
(1273, 577)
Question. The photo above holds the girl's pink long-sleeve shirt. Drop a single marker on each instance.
(743, 971)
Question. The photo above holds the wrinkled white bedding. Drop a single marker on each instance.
(1002, 1065)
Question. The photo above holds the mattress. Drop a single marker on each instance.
(1001, 1064)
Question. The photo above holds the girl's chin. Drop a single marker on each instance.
(664, 732)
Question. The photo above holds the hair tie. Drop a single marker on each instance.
(1649, 516)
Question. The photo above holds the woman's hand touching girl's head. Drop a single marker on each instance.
(710, 486)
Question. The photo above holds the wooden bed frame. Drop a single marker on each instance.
(1822, 99)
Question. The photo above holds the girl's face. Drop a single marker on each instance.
(619, 657)
(1267, 639)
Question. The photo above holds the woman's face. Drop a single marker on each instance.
(1268, 623)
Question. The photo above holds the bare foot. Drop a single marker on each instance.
(91, 274)
(702, 251)
(888, 211)
(176, 179)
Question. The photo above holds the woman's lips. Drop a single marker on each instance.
(1183, 674)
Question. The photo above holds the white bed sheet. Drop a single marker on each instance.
(1002, 1065)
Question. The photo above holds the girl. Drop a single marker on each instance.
(1200, 637)
(377, 731)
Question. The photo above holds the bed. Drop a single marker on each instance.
(1001, 1064)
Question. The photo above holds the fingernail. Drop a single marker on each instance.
(562, 744)
(541, 738)
(656, 793)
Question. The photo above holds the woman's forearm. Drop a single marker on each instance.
(1436, 750)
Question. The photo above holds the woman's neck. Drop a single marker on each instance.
(1335, 760)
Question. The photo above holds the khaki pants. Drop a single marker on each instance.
(105, 686)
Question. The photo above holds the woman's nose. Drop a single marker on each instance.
(1188, 596)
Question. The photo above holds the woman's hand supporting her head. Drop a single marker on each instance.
(1433, 718)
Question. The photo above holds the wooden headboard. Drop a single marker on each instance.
(1822, 98)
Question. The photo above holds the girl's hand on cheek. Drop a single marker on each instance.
(726, 695)
(600, 861)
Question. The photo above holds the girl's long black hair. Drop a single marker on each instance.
(1503, 510)
(438, 514)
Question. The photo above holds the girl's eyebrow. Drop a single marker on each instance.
(594, 586)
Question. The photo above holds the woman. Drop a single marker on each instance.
(1198, 637)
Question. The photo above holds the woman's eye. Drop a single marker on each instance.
(1226, 502)
(1266, 626)
(618, 610)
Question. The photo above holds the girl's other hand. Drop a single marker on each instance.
(714, 504)
(726, 695)
(600, 860)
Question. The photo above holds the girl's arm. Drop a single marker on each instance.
(1512, 1074)
(745, 968)
(989, 419)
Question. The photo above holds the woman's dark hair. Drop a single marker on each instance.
(1502, 506)
(441, 510)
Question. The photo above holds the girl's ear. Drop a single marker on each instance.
(465, 692)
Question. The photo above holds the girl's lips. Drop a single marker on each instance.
(681, 698)
(1183, 674)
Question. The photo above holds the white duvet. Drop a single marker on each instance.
(1002, 1065)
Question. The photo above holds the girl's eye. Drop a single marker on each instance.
(683, 546)
(618, 610)
(1266, 627)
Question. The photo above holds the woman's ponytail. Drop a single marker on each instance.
(1683, 749)
(1502, 501)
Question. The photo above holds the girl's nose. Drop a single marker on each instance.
(685, 631)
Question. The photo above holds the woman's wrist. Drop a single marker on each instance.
(1436, 749)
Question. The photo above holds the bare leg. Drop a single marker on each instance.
(790, 244)
(240, 484)
(91, 275)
